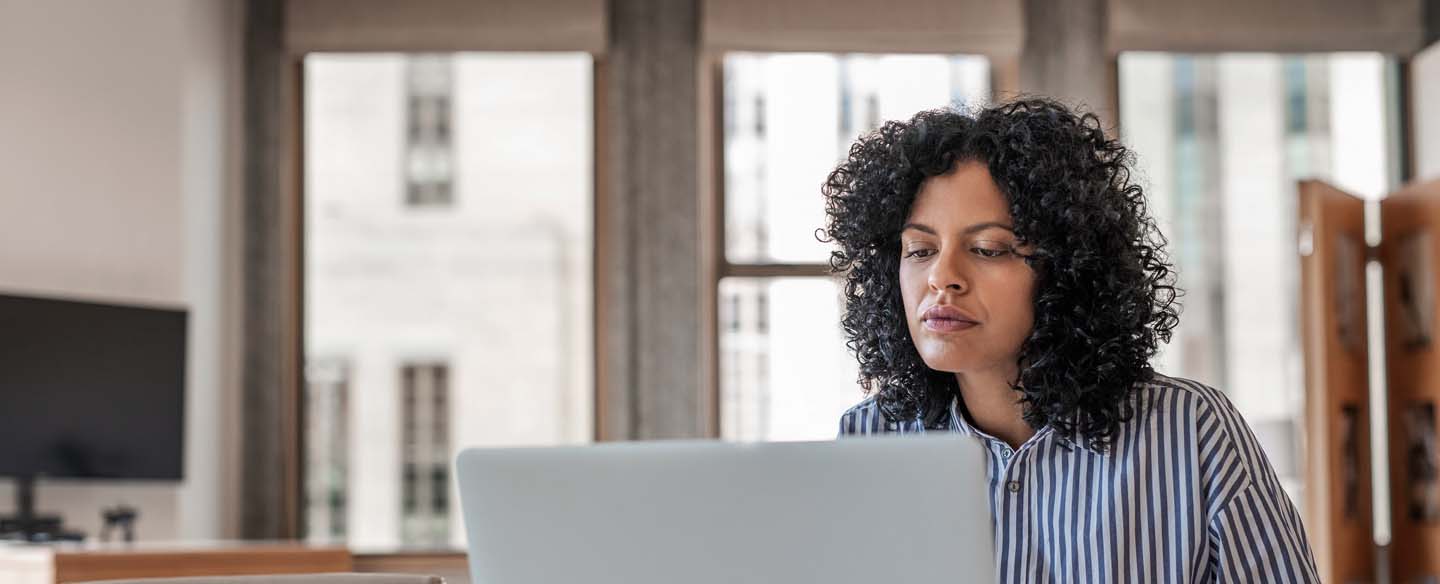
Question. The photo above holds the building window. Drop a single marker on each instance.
(759, 116)
(327, 406)
(425, 453)
(785, 373)
(872, 112)
(429, 170)
(762, 312)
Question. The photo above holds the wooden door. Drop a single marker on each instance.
(1408, 255)
(1338, 514)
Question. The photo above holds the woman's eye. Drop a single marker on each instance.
(919, 253)
(990, 253)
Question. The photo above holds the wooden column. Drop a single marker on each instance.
(269, 490)
(1432, 22)
(1065, 55)
(648, 277)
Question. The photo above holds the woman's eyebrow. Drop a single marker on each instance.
(978, 227)
(918, 227)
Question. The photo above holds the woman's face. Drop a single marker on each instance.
(968, 291)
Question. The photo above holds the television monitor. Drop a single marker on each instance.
(90, 391)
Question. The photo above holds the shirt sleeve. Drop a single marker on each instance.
(1257, 537)
(847, 424)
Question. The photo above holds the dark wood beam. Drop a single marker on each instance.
(270, 461)
(1065, 54)
(648, 214)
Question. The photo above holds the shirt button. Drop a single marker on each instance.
(1005, 453)
(1013, 486)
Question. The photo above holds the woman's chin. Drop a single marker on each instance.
(946, 363)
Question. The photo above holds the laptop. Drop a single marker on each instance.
(702, 512)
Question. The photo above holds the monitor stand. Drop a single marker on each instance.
(25, 525)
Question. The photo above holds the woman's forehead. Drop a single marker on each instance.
(960, 198)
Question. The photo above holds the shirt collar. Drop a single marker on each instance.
(959, 424)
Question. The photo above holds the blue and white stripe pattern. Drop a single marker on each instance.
(1183, 494)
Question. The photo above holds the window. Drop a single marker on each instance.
(429, 156)
(785, 373)
(327, 397)
(1221, 141)
(499, 286)
(425, 453)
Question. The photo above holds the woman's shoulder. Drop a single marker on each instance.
(865, 417)
(868, 417)
(1227, 453)
(1171, 392)
(1203, 408)
(1215, 424)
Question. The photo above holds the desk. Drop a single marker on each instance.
(62, 563)
(451, 565)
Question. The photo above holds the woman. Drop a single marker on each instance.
(1003, 280)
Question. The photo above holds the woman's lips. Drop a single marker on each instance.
(948, 325)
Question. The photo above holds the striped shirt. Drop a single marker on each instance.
(1183, 494)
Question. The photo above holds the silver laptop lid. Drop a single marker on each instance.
(699, 512)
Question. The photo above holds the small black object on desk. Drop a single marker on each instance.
(26, 525)
(122, 516)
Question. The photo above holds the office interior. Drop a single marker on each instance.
(382, 232)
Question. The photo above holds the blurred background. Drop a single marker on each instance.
(400, 229)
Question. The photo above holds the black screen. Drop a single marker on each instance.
(91, 390)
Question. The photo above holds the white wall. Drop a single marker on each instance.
(119, 180)
(1426, 100)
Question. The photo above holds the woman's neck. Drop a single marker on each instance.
(994, 407)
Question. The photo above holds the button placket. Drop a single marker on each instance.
(1006, 455)
(1011, 463)
(1007, 465)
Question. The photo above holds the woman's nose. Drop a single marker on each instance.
(948, 273)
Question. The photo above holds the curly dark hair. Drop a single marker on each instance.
(1105, 296)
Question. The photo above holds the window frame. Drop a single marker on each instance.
(1004, 77)
(293, 483)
